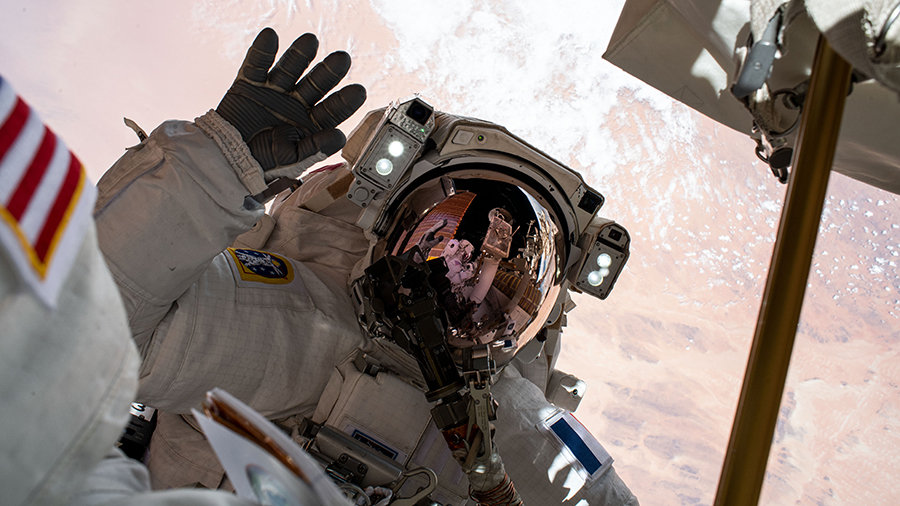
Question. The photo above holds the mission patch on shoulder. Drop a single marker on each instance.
(262, 266)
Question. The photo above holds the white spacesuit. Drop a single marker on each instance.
(219, 294)
(68, 366)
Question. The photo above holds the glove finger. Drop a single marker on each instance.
(259, 57)
(327, 142)
(339, 106)
(323, 77)
(293, 62)
(275, 147)
(284, 142)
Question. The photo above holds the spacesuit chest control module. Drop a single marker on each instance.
(475, 236)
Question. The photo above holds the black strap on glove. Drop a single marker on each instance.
(287, 124)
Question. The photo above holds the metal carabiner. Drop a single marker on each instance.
(420, 494)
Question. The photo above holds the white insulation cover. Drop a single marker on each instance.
(690, 50)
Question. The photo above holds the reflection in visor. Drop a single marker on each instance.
(509, 284)
(496, 258)
(451, 210)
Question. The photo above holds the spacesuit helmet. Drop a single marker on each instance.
(474, 233)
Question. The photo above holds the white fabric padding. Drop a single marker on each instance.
(67, 378)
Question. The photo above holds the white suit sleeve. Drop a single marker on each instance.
(170, 205)
(118, 480)
(533, 462)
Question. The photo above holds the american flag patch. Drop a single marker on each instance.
(45, 198)
(576, 444)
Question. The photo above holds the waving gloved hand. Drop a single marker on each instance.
(287, 124)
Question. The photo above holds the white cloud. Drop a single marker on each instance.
(535, 70)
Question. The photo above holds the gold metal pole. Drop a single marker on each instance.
(770, 354)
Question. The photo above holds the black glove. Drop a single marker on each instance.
(286, 123)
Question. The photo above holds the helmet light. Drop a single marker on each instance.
(384, 166)
(604, 260)
(395, 148)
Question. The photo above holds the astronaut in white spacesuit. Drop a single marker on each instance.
(292, 313)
